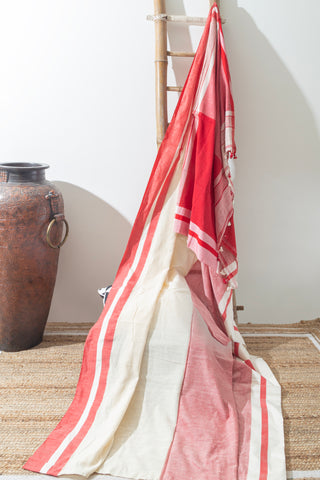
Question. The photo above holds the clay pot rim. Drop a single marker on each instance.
(20, 166)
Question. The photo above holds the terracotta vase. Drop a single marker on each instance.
(31, 231)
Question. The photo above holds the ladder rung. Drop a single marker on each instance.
(179, 19)
(240, 308)
(180, 54)
(174, 89)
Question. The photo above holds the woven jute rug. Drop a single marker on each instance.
(37, 386)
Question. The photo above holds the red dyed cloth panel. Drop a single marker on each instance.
(205, 443)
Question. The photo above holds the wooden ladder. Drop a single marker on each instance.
(160, 19)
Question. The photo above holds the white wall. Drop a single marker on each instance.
(77, 92)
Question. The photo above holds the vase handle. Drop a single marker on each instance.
(53, 221)
(55, 205)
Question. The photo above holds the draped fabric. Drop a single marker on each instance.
(167, 389)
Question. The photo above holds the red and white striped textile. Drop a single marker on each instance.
(167, 389)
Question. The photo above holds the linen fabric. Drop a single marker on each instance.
(167, 389)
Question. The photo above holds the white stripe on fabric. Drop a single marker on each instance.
(202, 252)
(203, 236)
(224, 300)
(229, 323)
(229, 268)
(207, 68)
(183, 211)
(181, 226)
(255, 437)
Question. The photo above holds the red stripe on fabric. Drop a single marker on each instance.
(236, 349)
(264, 430)
(231, 275)
(236, 328)
(224, 314)
(55, 470)
(249, 363)
(202, 243)
(182, 218)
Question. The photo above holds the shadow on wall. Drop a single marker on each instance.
(277, 175)
(276, 181)
(90, 257)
